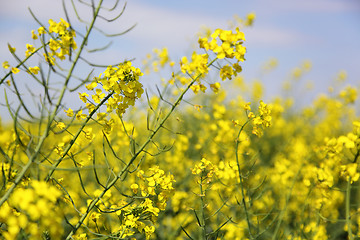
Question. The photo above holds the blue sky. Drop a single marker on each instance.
(326, 32)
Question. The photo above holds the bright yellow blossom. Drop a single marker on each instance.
(5, 65)
(15, 70)
(69, 112)
(34, 70)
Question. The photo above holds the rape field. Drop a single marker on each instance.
(204, 157)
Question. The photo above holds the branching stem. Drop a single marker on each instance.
(53, 114)
(141, 149)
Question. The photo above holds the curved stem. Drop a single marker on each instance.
(347, 209)
(241, 179)
(282, 213)
(53, 114)
(72, 142)
(202, 211)
(141, 149)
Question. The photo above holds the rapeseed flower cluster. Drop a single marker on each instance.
(139, 215)
(62, 43)
(205, 169)
(121, 83)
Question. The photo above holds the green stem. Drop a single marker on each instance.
(347, 209)
(202, 211)
(22, 62)
(282, 213)
(53, 114)
(241, 179)
(141, 149)
(72, 142)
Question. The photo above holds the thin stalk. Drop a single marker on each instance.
(347, 209)
(22, 62)
(177, 102)
(282, 213)
(241, 179)
(202, 212)
(72, 142)
(53, 114)
(141, 149)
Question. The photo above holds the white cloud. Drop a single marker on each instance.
(319, 6)
(268, 36)
(167, 27)
(19, 9)
(162, 26)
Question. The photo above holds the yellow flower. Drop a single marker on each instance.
(91, 86)
(33, 35)
(60, 125)
(205, 167)
(247, 106)
(134, 187)
(251, 115)
(11, 49)
(195, 88)
(69, 112)
(15, 70)
(342, 75)
(80, 115)
(350, 172)
(148, 204)
(131, 221)
(41, 30)
(83, 97)
(95, 216)
(215, 87)
(30, 49)
(148, 231)
(198, 107)
(226, 72)
(5, 65)
(81, 236)
(88, 133)
(250, 19)
(98, 96)
(257, 131)
(349, 94)
(49, 58)
(34, 70)
(90, 107)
